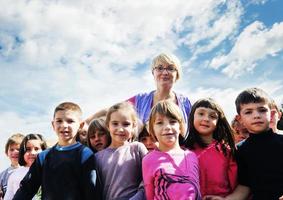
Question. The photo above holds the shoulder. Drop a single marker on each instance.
(42, 155)
(139, 147)
(86, 153)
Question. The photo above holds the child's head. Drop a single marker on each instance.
(12, 148)
(145, 138)
(98, 137)
(121, 121)
(66, 122)
(31, 145)
(253, 108)
(82, 134)
(207, 123)
(240, 132)
(167, 59)
(275, 116)
(166, 124)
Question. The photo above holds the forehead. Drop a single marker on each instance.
(33, 143)
(14, 146)
(121, 115)
(204, 109)
(67, 114)
(254, 106)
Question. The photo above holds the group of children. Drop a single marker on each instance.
(206, 164)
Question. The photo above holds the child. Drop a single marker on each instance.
(169, 172)
(31, 145)
(12, 151)
(259, 157)
(119, 165)
(275, 116)
(67, 170)
(145, 138)
(98, 137)
(82, 134)
(211, 138)
(240, 132)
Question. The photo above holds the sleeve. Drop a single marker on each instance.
(132, 100)
(243, 176)
(232, 173)
(31, 182)
(10, 188)
(90, 181)
(148, 178)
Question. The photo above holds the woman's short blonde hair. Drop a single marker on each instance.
(167, 59)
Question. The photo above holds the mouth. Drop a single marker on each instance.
(257, 123)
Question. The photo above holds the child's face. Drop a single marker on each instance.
(121, 127)
(255, 117)
(275, 117)
(13, 154)
(167, 131)
(98, 140)
(66, 124)
(148, 142)
(32, 149)
(205, 121)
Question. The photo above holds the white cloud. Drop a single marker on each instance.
(255, 43)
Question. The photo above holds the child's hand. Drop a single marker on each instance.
(281, 198)
(213, 197)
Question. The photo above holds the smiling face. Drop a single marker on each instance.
(121, 127)
(163, 76)
(255, 117)
(205, 121)
(33, 147)
(66, 125)
(13, 153)
(167, 131)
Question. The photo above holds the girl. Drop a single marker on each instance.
(169, 172)
(98, 137)
(31, 145)
(119, 165)
(211, 138)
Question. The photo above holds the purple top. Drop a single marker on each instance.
(143, 104)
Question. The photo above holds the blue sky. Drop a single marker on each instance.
(96, 53)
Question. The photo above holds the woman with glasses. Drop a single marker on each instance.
(166, 70)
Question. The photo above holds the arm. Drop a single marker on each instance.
(90, 181)
(100, 113)
(232, 173)
(148, 180)
(240, 193)
(30, 183)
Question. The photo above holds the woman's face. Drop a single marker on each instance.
(165, 75)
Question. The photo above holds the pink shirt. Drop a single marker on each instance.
(218, 173)
(168, 176)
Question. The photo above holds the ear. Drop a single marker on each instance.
(82, 124)
(239, 119)
(53, 126)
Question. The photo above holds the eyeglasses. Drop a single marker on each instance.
(169, 69)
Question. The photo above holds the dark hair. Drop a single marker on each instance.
(23, 149)
(252, 95)
(223, 133)
(97, 124)
(143, 133)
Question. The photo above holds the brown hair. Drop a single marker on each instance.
(70, 106)
(13, 139)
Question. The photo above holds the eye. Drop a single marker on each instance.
(248, 112)
(171, 68)
(126, 124)
(114, 123)
(159, 122)
(159, 68)
(173, 121)
(262, 110)
(213, 116)
(58, 120)
(70, 121)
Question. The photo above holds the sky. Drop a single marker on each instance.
(97, 53)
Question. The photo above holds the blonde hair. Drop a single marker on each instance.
(168, 59)
(169, 109)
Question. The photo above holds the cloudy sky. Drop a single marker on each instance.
(96, 53)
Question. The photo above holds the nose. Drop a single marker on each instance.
(33, 151)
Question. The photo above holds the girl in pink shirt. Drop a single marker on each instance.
(211, 138)
(169, 172)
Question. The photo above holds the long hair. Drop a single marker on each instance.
(23, 146)
(223, 133)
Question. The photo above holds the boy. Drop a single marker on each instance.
(276, 115)
(12, 151)
(259, 157)
(67, 170)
